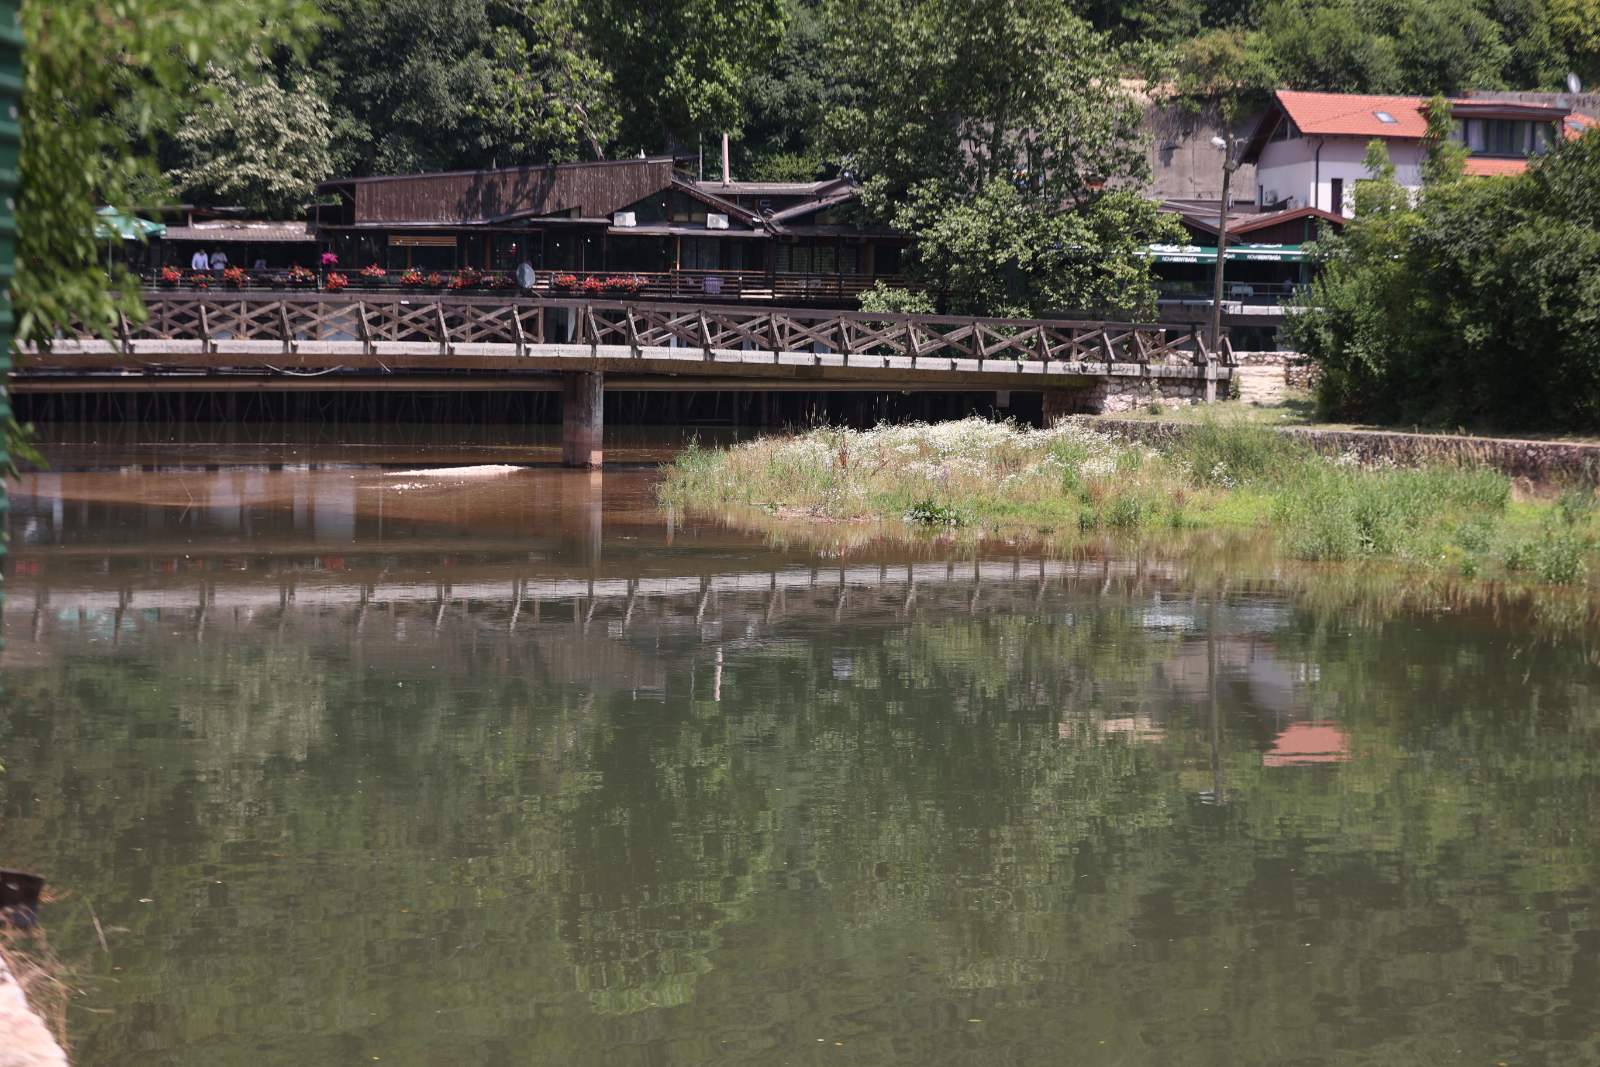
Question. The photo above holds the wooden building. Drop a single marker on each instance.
(637, 225)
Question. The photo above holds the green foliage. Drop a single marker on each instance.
(930, 512)
(550, 96)
(101, 79)
(786, 99)
(410, 82)
(259, 144)
(1480, 306)
(887, 298)
(1425, 46)
(682, 68)
(1012, 192)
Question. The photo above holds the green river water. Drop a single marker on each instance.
(360, 757)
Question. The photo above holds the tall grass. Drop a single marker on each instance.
(985, 477)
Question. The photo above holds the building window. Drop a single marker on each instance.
(687, 209)
(1336, 200)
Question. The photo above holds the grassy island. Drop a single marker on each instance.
(982, 479)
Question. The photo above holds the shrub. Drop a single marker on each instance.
(928, 512)
(1576, 505)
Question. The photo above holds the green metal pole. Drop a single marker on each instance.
(10, 145)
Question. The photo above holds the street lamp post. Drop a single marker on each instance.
(1230, 163)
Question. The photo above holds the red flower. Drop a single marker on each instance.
(235, 277)
(336, 281)
(411, 278)
(171, 275)
(565, 281)
(372, 270)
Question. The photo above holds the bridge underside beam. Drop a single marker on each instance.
(468, 383)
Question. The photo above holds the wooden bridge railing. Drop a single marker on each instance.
(449, 320)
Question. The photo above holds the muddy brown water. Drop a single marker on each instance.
(414, 749)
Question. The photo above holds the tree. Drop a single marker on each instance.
(999, 135)
(682, 66)
(1449, 46)
(259, 145)
(1477, 306)
(1331, 47)
(786, 102)
(410, 82)
(550, 96)
(101, 79)
(1576, 24)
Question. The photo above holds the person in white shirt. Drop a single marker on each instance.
(219, 260)
(200, 261)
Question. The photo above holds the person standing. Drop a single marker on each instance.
(200, 261)
(219, 260)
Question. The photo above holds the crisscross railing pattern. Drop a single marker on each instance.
(449, 320)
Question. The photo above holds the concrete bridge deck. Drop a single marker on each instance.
(206, 340)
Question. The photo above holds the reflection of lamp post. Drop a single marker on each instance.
(1230, 163)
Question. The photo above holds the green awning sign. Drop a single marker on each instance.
(1236, 252)
(111, 224)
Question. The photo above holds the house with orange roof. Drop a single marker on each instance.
(1309, 149)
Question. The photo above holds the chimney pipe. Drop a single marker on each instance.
(726, 177)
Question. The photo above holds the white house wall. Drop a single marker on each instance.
(1292, 169)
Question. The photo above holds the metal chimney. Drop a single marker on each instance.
(727, 179)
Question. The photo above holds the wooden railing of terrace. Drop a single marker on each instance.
(450, 321)
(686, 285)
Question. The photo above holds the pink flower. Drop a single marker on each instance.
(330, 259)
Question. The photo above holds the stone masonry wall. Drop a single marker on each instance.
(1113, 395)
(1548, 462)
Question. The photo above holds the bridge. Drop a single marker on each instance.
(220, 341)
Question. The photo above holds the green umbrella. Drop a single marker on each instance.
(111, 224)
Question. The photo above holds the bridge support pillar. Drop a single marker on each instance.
(582, 419)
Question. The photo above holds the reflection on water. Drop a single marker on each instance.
(356, 762)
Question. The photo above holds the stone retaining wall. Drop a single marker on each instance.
(1548, 462)
(1113, 395)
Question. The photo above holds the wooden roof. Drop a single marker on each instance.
(591, 190)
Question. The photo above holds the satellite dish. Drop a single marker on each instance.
(1574, 84)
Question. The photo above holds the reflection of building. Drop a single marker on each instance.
(1308, 742)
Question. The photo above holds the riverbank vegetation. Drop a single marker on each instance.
(982, 479)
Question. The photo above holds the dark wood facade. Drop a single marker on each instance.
(634, 223)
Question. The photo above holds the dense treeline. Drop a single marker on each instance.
(410, 85)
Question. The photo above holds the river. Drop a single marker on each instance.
(356, 754)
